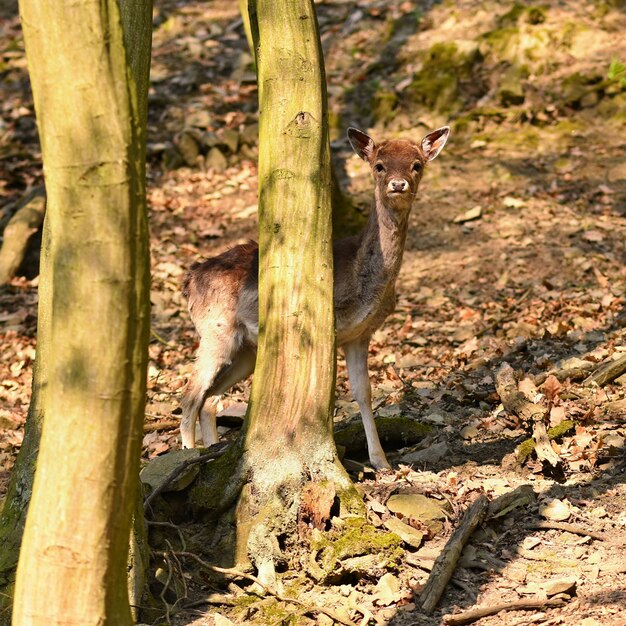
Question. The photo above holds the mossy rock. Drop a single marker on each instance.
(449, 77)
(511, 87)
(518, 44)
(394, 432)
(357, 544)
(577, 86)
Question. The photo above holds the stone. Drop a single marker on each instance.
(230, 139)
(215, 160)
(188, 148)
(562, 585)
(556, 510)
(419, 507)
(250, 135)
(469, 215)
(408, 534)
(159, 468)
(198, 119)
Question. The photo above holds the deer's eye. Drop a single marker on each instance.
(379, 167)
(417, 166)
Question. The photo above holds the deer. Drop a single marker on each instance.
(222, 291)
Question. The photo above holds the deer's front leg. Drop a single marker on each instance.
(356, 360)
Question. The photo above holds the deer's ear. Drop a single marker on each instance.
(434, 142)
(361, 143)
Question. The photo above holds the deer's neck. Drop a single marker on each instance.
(382, 244)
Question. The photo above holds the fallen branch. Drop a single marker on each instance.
(174, 474)
(26, 221)
(520, 496)
(467, 617)
(607, 373)
(571, 373)
(229, 571)
(445, 563)
(517, 403)
(569, 528)
(162, 425)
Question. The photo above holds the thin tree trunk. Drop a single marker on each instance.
(91, 119)
(288, 435)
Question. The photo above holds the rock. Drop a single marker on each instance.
(511, 89)
(188, 148)
(556, 510)
(469, 432)
(198, 119)
(250, 135)
(230, 139)
(429, 456)
(157, 470)
(419, 507)
(562, 585)
(215, 160)
(408, 534)
(387, 590)
(209, 139)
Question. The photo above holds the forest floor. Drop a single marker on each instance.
(515, 254)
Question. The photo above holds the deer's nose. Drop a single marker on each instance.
(397, 185)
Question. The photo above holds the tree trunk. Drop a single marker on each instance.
(94, 309)
(288, 438)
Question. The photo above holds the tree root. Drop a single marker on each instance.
(235, 573)
(569, 528)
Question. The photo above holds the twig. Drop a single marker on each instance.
(229, 571)
(467, 617)
(167, 425)
(569, 528)
(160, 339)
(607, 373)
(445, 563)
(174, 474)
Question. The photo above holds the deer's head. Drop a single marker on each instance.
(398, 164)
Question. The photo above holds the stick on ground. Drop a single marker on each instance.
(467, 617)
(517, 403)
(445, 563)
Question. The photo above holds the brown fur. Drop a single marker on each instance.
(222, 292)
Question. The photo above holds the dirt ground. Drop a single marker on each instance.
(515, 254)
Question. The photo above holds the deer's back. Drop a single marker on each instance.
(226, 286)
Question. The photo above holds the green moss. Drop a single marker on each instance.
(446, 81)
(383, 105)
(526, 448)
(356, 537)
(393, 431)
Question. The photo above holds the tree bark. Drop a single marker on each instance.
(94, 278)
(287, 438)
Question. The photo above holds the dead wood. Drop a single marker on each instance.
(467, 617)
(25, 222)
(607, 373)
(567, 373)
(150, 427)
(220, 448)
(520, 496)
(445, 563)
(517, 403)
(570, 528)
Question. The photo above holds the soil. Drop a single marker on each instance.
(515, 254)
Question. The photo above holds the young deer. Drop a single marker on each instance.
(223, 299)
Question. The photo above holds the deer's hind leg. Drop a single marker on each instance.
(220, 343)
